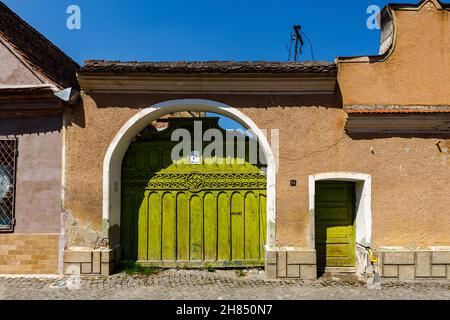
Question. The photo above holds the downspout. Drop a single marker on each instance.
(69, 97)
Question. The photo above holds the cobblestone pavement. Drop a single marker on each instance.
(189, 284)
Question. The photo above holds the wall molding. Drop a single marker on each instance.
(210, 84)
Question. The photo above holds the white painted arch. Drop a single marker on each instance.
(113, 159)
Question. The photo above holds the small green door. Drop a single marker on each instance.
(183, 214)
(334, 224)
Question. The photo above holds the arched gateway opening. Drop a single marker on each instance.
(174, 217)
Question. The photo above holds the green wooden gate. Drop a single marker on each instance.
(335, 224)
(193, 215)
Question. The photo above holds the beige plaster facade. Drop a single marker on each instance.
(407, 211)
(401, 203)
(414, 71)
(408, 172)
(31, 114)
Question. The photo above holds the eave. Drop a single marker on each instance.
(29, 101)
(274, 84)
(411, 123)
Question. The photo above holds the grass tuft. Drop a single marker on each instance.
(132, 268)
(210, 268)
(241, 272)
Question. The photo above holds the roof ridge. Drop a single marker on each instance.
(210, 67)
(90, 61)
(36, 32)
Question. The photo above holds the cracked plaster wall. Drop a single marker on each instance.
(409, 175)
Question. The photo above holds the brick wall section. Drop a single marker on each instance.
(29, 253)
(415, 264)
(297, 264)
(91, 262)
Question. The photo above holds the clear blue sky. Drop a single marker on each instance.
(202, 29)
(168, 30)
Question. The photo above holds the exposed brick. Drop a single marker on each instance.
(423, 264)
(281, 264)
(405, 272)
(301, 257)
(29, 253)
(308, 272)
(293, 271)
(438, 271)
(398, 258)
(441, 257)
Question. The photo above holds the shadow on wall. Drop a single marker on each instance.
(144, 100)
(375, 136)
(28, 125)
(76, 115)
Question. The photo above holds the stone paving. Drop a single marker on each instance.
(221, 285)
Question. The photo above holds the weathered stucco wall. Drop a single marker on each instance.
(416, 73)
(34, 245)
(13, 71)
(409, 175)
(38, 175)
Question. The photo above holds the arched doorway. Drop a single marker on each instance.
(112, 169)
(206, 208)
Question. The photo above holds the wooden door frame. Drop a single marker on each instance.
(363, 219)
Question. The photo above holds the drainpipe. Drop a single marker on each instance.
(71, 97)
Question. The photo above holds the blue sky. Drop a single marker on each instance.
(202, 29)
(168, 30)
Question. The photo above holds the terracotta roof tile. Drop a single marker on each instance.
(209, 67)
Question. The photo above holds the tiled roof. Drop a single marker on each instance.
(209, 67)
(39, 52)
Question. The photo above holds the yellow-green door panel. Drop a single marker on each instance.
(176, 213)
(334, 224)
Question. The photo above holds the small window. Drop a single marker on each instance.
(8, 156)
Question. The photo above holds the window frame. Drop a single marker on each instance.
(12, 161)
